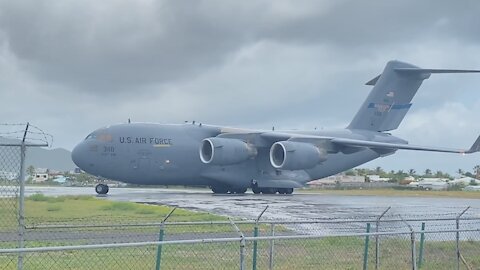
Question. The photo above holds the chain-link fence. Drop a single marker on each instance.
(232, 249)
(14, 141)
(9, 190)
(386, 242)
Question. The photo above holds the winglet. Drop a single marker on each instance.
(475, 147)
(374, 80)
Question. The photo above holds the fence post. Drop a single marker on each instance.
(377, 240)
(365, 252)
(272, 244)
(160, 239)
(413, 245)
(422, 240)
(414, 249)
(457, 238)
(21, 200)
(242, 244)
(255, 234)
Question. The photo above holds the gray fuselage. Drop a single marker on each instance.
(157, 154)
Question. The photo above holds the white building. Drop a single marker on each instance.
(465, 181)
(472, 188)
(41, 170)
(377, 178)
(40, 177)
(433, 183)
(337, 178)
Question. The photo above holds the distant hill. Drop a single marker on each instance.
(57, 159)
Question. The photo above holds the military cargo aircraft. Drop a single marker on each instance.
(231, 160)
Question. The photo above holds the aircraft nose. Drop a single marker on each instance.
(78, 155)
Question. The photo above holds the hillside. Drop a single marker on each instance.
(57, 159)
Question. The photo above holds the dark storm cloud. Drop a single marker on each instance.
(95, 45)
(113, 46)
(374, 23)
(72, 66)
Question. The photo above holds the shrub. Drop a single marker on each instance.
(38, 197)
(119, 206)
(144, 211)
(54, 208)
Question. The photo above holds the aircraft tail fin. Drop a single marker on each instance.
(391, 96)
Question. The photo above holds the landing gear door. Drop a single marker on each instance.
(142, 164)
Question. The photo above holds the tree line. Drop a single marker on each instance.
(397, 176)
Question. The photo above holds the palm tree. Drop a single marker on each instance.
(428, 172)
(476, 170)
(411, 172)
(31, 170)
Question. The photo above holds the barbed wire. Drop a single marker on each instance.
(33, 133)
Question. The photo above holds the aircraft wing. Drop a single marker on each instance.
(395, 146)
(272, 136)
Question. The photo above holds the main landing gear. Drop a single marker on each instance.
(257, 190)
(101, 189)
(228, 190)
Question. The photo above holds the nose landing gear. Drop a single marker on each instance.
(101, 189)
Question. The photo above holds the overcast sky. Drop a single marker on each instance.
(71, 66)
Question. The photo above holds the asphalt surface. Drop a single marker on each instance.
(283, 207)
(323, 207)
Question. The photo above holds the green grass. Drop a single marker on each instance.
(81, 210)
(322, 253)
(53, 208)
(40, 209)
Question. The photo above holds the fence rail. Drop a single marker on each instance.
(291, 251)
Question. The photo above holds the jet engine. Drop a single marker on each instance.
(289, 155)
(222, 151)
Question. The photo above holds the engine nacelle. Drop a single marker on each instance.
(287, 155)
(222, 151)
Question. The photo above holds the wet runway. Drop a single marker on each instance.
(282, 207)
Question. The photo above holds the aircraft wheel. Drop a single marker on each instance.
(256, 190)
(101, 189)
(219, 190)
(239, 190)
(289, 191)
(269, 190)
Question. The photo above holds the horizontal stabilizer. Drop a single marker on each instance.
(428, 70)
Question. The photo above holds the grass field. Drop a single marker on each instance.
(321, 253)
(43, 209)
(395, 192)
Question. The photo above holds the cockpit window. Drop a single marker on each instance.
(91, 136)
